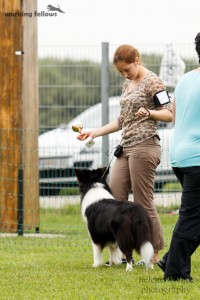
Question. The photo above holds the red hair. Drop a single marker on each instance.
(126, 53)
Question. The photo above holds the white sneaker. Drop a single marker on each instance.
(140, 263)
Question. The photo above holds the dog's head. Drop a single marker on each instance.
(87, 178)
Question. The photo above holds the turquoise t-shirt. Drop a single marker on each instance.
(185, 147)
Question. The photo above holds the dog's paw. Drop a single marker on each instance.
(150, 266)
(129, 267)
(96, 265)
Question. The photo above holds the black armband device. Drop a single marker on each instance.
(161, 98)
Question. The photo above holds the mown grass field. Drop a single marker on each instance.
(61, 267)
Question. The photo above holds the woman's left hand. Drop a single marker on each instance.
(142, 112)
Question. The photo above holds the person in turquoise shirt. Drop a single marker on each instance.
(185, 148)
(185, 161)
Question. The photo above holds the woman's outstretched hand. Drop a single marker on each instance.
(84, 135)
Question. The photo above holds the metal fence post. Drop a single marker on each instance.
(20, 218)
(105, 99)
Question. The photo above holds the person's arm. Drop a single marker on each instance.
(108, 128)
(174, 110)
(164, 115)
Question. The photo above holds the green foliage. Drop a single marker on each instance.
(66, 88)
(152, 62)
(69, 191)
(61, 267)
(172, 187)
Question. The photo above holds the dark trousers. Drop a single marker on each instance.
(186, 234)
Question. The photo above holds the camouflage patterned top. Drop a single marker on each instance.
(135, 130)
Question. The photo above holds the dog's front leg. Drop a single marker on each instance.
(129, 261)
(129, 266)
(98, 255)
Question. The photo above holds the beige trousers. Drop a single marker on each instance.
(135, 171)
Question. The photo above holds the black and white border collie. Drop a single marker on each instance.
(124, 226)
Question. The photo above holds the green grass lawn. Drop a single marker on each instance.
(61, 267)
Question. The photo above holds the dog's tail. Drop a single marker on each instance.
(147, 252)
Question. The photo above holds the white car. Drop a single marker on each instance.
(60, 151)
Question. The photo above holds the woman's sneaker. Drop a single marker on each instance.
(140, 263)
(161, 264)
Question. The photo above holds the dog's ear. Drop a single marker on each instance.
(103, 172)
(81, 174)
(78, 173)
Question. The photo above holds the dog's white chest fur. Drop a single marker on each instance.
(95, 194)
